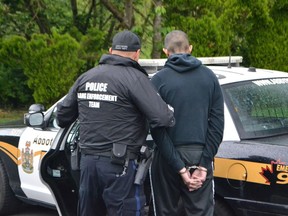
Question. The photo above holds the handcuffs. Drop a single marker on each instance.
(188, 168)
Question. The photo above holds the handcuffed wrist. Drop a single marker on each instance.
(182, 171)
(202, 169)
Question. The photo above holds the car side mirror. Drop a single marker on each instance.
(34, 119)
(35, 116)
(36, 108)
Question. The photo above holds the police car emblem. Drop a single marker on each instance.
(27, 158)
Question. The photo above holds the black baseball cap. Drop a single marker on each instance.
(126, 41)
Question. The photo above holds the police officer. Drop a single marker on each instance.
(114, 102)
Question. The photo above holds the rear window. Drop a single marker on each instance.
(259, 107)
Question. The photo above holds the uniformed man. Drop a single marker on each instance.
(114, 103)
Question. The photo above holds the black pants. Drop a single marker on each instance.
(168, 187)
(104, 191)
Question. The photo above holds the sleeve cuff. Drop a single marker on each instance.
(178, 165)
(205, 162)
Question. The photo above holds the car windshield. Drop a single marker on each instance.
(259, 107)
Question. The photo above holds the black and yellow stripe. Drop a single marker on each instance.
(240, 170)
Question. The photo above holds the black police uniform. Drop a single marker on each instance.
(113, 103)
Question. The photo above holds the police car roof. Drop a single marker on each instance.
(237, 74)
(220, 60)
(227, 68)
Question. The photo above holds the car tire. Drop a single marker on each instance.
(222, 209)
(8, 202)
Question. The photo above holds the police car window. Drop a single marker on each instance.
(52, 119)
(73, 136)
(260, 107)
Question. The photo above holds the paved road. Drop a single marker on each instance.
(30, 210)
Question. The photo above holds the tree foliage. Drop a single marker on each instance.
(45, 45)
(268, 45)
(201, 21)
(13, 87)
(255, 30)
(14, 91)
(54, 67)
(46, 64)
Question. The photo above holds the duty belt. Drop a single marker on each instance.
(132, 155)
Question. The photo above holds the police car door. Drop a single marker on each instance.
(33, 145)
(57, 173)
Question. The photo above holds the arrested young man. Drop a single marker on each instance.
(182, 166)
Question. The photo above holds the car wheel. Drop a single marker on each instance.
(8, 201)
(222, 209)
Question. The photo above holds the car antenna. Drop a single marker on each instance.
(229, 64)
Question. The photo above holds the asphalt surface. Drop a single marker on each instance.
(30, 210)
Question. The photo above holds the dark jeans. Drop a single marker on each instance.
(104, 191)
(168, 187)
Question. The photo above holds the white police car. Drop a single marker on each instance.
(251, 166)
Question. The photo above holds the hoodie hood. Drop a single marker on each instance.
(182, 63)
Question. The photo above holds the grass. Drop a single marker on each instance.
(8, 117)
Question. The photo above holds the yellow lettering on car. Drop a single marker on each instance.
(281, 167)
(282, 178)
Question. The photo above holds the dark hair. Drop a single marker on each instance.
(177, 42)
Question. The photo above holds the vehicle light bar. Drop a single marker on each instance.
(153, 65)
